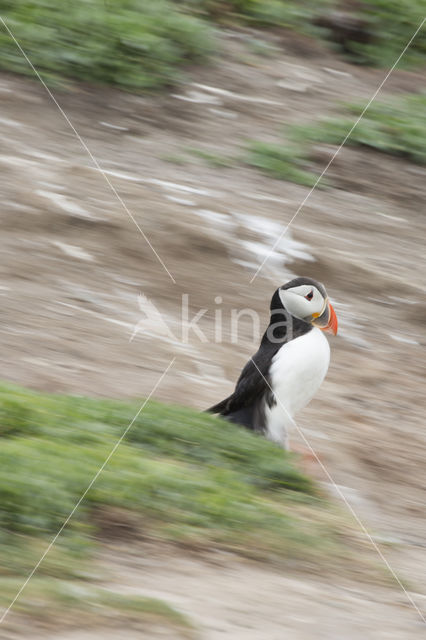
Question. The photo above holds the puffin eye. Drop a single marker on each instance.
(310, 295)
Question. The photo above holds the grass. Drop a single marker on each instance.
(48, 600)
(210, 158)
(178, 476)
(213, 160)
(188, 477)
(390, 24)
(140, 45)
(397, 127)
(174, 158)
(263, 13)
(283, 161)
(133, 44)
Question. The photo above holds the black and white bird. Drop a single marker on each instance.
(290, 365)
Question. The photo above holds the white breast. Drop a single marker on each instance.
(296, 373)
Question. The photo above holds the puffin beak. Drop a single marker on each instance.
(327, 321)
(332, 322)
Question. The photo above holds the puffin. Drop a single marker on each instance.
(283, 376)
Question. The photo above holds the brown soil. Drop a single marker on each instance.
(74, 264)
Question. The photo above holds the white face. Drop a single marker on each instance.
(303, 301)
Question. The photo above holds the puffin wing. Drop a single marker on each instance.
(251, 385)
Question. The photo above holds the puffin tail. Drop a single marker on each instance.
(219, 408)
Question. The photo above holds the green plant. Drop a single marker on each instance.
(267, 13)
(178, 475)
(134, 44)
(144, 45)
(187, 475)
(391, 24)
(79, 604)
(280, 160)
(214, 160)
(15, 419)
(397, 127)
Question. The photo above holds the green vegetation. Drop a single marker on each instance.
(266, 13)
(143, 45)
(283, 161)
(184, 476)
(390, 25)
(50, 600)
(177, 476)
(397, 127)
(134, 44)
(214, 160)
(174, 158)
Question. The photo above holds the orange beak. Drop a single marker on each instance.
(332, 321)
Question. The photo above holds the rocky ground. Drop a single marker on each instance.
(75, 265)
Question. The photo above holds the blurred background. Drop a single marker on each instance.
(197, 129)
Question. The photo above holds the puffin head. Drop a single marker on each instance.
(307, 300)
